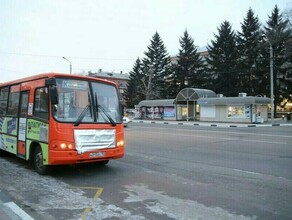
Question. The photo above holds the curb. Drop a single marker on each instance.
(211, 124)
(11, 211)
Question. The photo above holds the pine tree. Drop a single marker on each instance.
(172, 82)
(252, 78)
(278, 35)
(156, 69)
(222, 59)
(135, 93)
(188, 70)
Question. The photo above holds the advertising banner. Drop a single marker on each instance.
(169, 112)
(37, 130)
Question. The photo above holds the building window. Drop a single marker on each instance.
(122, 85)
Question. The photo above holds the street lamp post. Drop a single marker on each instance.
(272, 81)
(70, 64)
(271, 77)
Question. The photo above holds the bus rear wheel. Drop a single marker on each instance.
(38, 162)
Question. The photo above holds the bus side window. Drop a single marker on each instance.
(3, 100)
(41, 103)
(13, 100)
(24, 104)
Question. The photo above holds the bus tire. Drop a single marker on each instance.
(103, 163)
(38, 162)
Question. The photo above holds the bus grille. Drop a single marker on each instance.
(89, 140)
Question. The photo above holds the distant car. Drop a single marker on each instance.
(126, 121)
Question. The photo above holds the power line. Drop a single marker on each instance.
(73, 57)
(80, 69)
(13, 71)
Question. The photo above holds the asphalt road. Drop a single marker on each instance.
(168, 172)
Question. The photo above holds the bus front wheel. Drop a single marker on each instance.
(38, 162)
(103, 163)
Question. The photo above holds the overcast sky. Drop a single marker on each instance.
(108, 34)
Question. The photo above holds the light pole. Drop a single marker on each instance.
(272, 81)
(70, 64)
(271, 76)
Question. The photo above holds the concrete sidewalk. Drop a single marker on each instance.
(277, 122)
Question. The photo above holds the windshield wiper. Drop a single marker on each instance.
(82, 115)
(107, 115)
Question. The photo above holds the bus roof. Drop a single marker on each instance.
(51, 75)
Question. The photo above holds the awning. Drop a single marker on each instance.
(193, 94)
(158, 102)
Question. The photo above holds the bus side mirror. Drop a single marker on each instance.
(54, 95)
(50, 82)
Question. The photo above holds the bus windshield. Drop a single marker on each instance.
(80, 104)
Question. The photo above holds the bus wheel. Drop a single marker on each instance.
(102, 163)
(38, 162)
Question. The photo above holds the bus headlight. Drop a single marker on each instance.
(120, 143)
(63, 146)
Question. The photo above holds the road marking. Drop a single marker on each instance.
(256, 141)
(249, 172)
(86, 187)
(262, 174)
(18, 211)
(97, 195)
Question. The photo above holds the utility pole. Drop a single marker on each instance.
(272, 81)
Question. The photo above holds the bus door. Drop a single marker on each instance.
(21, 146)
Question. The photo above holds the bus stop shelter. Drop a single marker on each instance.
(156, 109)
(186, 102)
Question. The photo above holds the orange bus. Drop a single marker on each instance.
(54, 119)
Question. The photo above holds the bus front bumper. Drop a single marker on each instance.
(58, 157)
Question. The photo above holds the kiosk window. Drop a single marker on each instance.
(235, 112)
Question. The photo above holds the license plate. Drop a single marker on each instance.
(97, 154)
